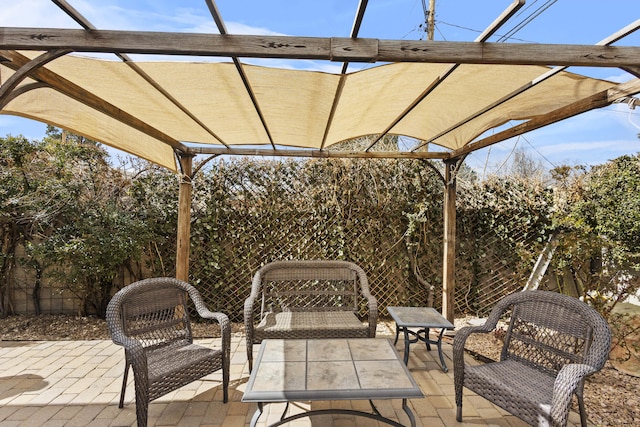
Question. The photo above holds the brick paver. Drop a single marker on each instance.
(77, 383)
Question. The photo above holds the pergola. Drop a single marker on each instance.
(445, 96)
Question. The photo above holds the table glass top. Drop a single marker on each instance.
(425, 317)
(359, 368)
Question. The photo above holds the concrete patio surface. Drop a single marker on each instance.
(77, 383)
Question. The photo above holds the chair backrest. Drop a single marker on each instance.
(549, 330)
(310, 286)
(153, 311)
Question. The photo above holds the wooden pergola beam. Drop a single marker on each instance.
(286, 152)
(319, 48)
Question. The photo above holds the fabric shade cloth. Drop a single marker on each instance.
(296, 104)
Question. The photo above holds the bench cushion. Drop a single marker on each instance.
(311, 324)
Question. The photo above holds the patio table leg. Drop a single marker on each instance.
(421, 335)
(439, 343)
(407, 342)
(284, 413)
(409, 413)
(256, 415)
(426, 339)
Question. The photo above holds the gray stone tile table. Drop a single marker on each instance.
(330, 369)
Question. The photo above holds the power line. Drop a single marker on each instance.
(519, 26)
(527, 20)
(539, 153)
(475, 31)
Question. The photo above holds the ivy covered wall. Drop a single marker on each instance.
(75, 227)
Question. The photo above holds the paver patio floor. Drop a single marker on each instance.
(77, 383)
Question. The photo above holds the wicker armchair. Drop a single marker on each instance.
(552, 343)
(308, 299)
(150, 320)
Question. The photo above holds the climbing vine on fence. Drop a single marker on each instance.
(249, 212)
(385, 215)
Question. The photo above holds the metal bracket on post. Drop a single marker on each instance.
(453, 165)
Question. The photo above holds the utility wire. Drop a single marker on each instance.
(527, 20)
(539, 153)
(475, 31)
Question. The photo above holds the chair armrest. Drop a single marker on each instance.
(134, 351)
(460, 339)
(489, 325)
(372, 305)
(249, 303)
(566, 383)
(133, 348)
(372, 302)
(221, 318)
(225, 327)
(205, 313)
(248, 314)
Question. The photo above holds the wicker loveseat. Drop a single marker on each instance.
(308, 299)
(150, 319)
(552, 343)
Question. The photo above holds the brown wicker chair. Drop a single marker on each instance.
(308, 299)
(552, 343)
(150, 320)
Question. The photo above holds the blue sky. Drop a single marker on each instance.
(591, 138)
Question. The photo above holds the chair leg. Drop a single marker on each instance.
(142, 398)
(583, 412)
(250, 355)
(458, 393)
(583, 415)
(225, 378)
(124, 384)
(142, 413)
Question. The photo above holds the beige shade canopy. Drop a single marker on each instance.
(444, 97)
(296, 105)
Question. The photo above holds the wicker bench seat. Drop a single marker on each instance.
(302, 324)
(309, 299)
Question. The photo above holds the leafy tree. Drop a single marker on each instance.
(69, 208)
(598, 211)
(153, 200)
(17, 185)
(97, 232)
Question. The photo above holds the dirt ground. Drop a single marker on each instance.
(612, 397)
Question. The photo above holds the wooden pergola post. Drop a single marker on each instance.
(184, 218)
(449, 250)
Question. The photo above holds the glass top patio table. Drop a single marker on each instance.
(424, 318)
(330, 369)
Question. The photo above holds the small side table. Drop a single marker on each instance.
(424, 318)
